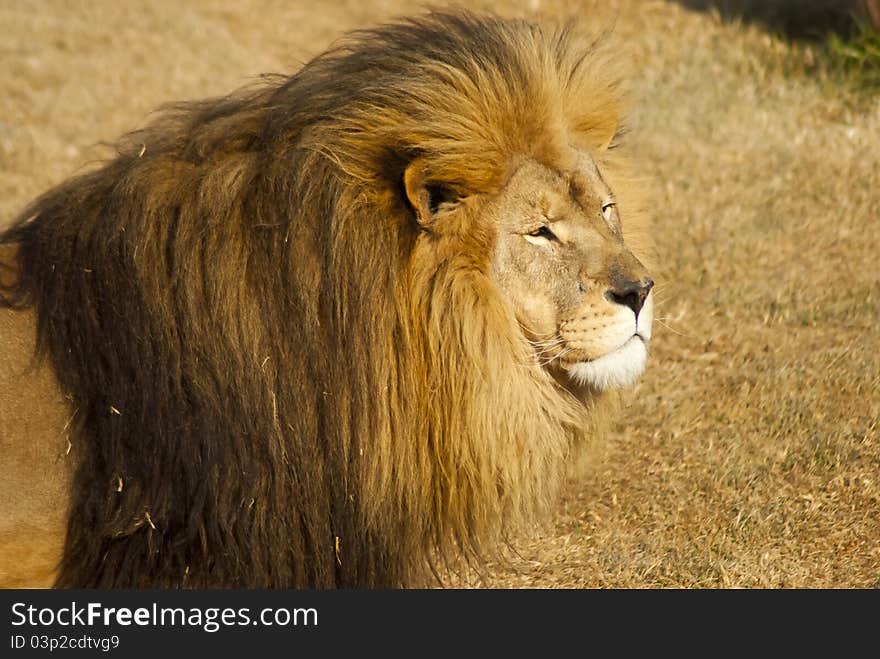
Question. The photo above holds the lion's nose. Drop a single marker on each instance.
(629, 293)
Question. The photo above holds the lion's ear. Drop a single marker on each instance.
(424, 195)
(599, 134)
(611, 135)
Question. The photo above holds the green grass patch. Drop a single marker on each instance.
(857, 54)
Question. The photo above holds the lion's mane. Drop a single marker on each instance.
(276, 377)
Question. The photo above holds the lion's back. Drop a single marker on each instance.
(35, 465)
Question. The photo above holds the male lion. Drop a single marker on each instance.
(337, 330)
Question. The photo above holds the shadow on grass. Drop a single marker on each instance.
(845, 34)
(796, 19)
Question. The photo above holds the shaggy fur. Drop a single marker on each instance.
(278, 377)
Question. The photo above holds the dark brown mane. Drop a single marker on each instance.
(270, 385)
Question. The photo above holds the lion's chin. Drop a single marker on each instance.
(619, 368)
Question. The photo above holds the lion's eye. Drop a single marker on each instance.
(541, 236)
(608, 210)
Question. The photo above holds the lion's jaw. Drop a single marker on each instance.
(622, 366)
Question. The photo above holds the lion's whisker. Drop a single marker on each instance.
(673, 330)
(562, 354)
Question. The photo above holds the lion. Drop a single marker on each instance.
(339, 329)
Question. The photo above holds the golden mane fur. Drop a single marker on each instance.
(277, 377)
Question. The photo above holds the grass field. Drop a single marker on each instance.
(750, 454)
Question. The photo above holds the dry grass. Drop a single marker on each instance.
(750, 454)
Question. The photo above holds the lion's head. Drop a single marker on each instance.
(560, 262)
(328, 331)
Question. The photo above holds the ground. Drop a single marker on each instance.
(750, 454)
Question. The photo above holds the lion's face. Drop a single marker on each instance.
(581, 297)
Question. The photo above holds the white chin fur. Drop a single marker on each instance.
(620, 368)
